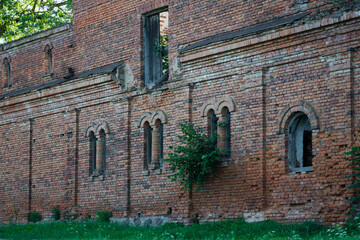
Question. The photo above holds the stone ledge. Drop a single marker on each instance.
(142, 221)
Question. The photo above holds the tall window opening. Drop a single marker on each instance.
(48, 59)
(148, 145)
(212, 125)
(157, 145)
(225, 132)
(97, 153)
(300, 144)
(7, 73)
(161, 143)
(156, 47)
(92, 142)
(101, 152)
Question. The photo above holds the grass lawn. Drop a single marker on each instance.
(234, 229)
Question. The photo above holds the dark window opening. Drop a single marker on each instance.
(307, 149)
(161, 143)
(101, 152)
(300, 144)
(49, 61)
(7, 76)
(227, 131)
(92, 142)
(156, 47)
(148, 145)
(212, 126)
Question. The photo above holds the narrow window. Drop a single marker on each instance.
(7, 75)
(156, 47)
(161, 143)
(300, 144)
(223, 130)
(101, 152)
(48, 58)
(92, 142)
(157, 136)
(212, 126)
(227, 131)
(148, 145)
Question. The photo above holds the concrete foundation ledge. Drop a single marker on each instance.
(141, 221)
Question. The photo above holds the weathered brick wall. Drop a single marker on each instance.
(45, 161)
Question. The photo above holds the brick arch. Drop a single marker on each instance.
(91, 128)
(103, 125)
(47, 43)
(6, 56)
(217, 105)
(287, 114)
(97, 127)
(209, 105)
(145, 117)
(158, 114)
(225, 101)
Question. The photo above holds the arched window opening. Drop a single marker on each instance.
(226, 135)
(148, 145)
(101, 152)
(157, 145)
(48, 58)
(212, 125)
(7, 73)
(300, 144)
(92, 142)
(161, 143)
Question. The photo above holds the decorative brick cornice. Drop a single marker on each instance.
(294, 107)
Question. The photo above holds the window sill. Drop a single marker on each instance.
(224, 161)
(97, 174)
(158, 82)
(6, 87)
(302, 170)
(157, 171)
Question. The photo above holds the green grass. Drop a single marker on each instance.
(234, 229)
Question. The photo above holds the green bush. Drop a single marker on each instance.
(193, 161)
(35, 217)
(55, 213)
(104, 216)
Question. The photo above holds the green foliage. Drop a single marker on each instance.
(161, 47)
(55, 213)
(19, 18)
(232, 229)
(355, 175)
(194, 159)
(35, 217)
(104, 216)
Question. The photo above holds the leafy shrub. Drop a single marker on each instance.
(104, 216)
(55, 213)
(34, 217)
(355, 175)
(194, 159)
(70, 214)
